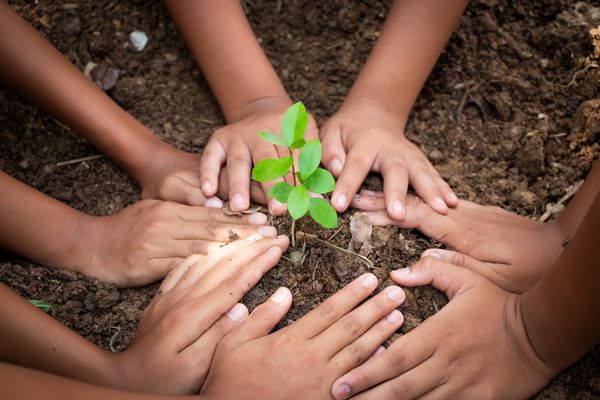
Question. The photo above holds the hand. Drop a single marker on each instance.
(194, 308)
(476, 347)
(512, 251)
(301, 360)
(238, 146)
(363, 137)
(143, 242)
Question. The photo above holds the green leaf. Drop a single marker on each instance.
(310, 157)
(294, 123)
(298, 202)
(298, 144)
(42, 305)
(271, 168)
(321, 181)
(322, 212)
(280, 191)
(272, 137)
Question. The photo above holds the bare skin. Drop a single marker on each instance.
(193, 310)
(512, 251)
(487, 336)
(367, 132)
(247, 88)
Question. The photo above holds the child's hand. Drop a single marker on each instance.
(143, 242)
(476, 347)
(515, 252)
(238, 146)
(363, 137)
(302, 360)
(194, 308)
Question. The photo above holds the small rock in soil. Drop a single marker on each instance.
(361, 230)
(105, 77)
(138, 40)
(71, 25)
(530, 157)
(524, 197)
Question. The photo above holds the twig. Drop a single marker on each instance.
(314, 238)
(114, 338)
(581, 72)
(78, 160)
(334, 234)
(570, 193)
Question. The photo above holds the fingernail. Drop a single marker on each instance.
(213, 202)
(439, 203)
(274, 250)
(237, 313)
(402, 271)
(394, 316)
(276, 206)
(257, 219)
(267, 231)
(341, 200)
(379, 350)
(206, 187)
(452, 197)
(397, 207)
(394, 293)
(431, 253)
(336, 166)
(280, 296)
(237, 201)
(254, 237)
(369, 281)
(343, 390)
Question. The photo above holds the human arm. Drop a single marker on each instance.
(247, 88)
(367, 132)
(193, 309)
(486, 336)
(135, 246)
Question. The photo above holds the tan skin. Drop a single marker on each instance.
(195, 307)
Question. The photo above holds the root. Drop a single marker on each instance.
(313, 238)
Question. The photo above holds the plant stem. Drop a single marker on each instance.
(293, 168)
(293, 233)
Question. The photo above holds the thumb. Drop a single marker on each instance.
(444, 276)
(264, 318)
(334, 153)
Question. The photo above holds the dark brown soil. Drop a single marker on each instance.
(506, 117)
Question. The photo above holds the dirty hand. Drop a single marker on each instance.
(302, 360)
(239, 146)
(363, 137)
(512, 251)
(471, 349)
(143, 242)
(194, 308)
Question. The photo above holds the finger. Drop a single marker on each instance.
(334, 153)
(447, 193)
(368, 203)
(337, 305)
(191, 214)
(256, 193)
(206, 276)
(239, 166)
(213, 156)
(219, 231)
(372, 193)
(224, 325)
(369, 344)
(442, 275)
(198, 315)
(395, 185)
(355, 323)
(264, 317)
(414, 383)
(356, 168)
(182, 188)
(185, 248)
(424, 183)
(175, 275)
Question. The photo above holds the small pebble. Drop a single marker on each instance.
(138, 39)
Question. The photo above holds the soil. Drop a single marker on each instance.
(510, 116)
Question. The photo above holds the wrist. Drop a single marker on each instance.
(375, 108)
(278, 103)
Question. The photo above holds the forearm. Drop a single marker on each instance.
(231, 59)
(63, 91)
(39, 227)
(30, 338)
(561, 312)
(413, 37)
(22, 383)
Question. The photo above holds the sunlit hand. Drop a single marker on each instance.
(363, 137)
(143, 242)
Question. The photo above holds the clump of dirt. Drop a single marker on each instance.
(509, 117)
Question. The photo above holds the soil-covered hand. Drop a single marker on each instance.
(239, 146)
(194, 308)
(302, 360)
(363, 137)
(476, 347)
(512, 251)
(143, 242)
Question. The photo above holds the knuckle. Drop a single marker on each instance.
(198, 247)
(165, 208)
(396, 364)
(211, 228)
(358, 162)
(222, 327)
(358, 352)
(327, 311)
(350, 325)
(238, 159)
(429, 263)
(401, 389)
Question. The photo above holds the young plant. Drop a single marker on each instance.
(309, 177)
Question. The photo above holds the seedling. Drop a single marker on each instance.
(42, 305)
(309, 177)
